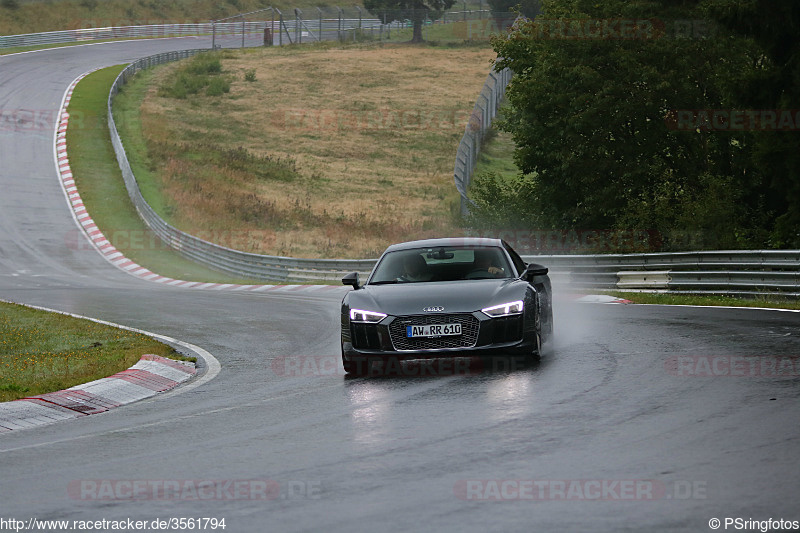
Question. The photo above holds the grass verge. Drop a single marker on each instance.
(43, 352)
(497, 155)
(99, 181)
(709, 300)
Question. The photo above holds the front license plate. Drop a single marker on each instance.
(433, 330)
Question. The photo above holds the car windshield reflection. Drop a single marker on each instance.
(441, 264)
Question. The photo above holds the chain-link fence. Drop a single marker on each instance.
(480, 121)
(272, 26)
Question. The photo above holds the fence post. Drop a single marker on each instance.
(280, 27)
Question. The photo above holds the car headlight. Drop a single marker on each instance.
(360, 315)
(511, 308)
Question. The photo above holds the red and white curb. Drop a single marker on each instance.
(151, 375)
(112, 254)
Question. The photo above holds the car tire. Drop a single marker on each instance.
(536, 352)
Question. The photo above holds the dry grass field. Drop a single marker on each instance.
(326, 152)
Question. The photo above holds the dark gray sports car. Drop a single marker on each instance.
(446, 298)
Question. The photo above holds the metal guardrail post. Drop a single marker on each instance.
(272, 27)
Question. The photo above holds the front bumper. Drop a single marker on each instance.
(482, 335)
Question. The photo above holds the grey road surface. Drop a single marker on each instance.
(641, 419)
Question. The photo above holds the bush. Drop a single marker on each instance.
(203, 71)
(218, 86)
(250, 75)
(205, 63)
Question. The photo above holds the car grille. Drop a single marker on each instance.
(467, 339)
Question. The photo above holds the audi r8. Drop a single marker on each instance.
(446, 298)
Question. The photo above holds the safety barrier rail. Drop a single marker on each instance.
(729, 272)
(735, 272)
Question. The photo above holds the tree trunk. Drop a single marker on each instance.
(418, 17)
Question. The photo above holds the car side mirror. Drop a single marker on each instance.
(352, 280)
(533, 270)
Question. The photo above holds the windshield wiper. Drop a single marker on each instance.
(384, 282)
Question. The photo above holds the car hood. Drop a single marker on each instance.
(453, 296)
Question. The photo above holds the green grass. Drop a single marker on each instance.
(18, 49)
(99, 181)
(43, 352)
(709, 300)
(497, 155)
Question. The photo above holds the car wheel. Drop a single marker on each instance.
(537, 352)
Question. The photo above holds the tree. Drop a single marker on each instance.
(528, 8)
(774, 83)
(415, 10)
(592, 102)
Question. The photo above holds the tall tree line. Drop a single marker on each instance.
(667, 116)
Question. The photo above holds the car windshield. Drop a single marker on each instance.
(447, 263)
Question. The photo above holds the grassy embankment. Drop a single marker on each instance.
(325, 152)
(43, 352)
(102, 189)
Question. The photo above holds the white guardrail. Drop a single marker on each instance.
(331, 28)
(728, 272)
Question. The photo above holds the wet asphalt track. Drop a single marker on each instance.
(606, 409)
